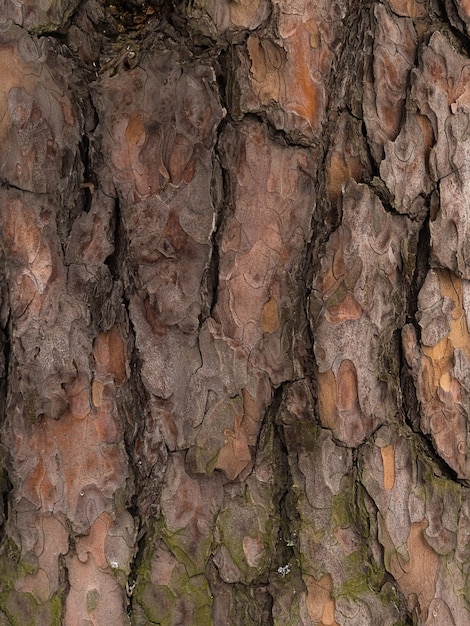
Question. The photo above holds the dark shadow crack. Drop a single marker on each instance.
(411, 408)
(288, 550)
(90, 181)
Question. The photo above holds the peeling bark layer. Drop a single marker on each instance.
(234, 313)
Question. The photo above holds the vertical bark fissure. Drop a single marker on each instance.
(450, 20)
(89, 176)
(222, 205)
(287, 557)
(410, 404)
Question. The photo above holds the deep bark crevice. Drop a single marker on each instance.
(411, 409)
(288, 552)
(6, 487)
(64, 584)
(140, 548)
(422, 264)
(411, 412)
(453, 26)
(90, 181)
(222, 201)
(252, 605)
(86, 146)
(117, 259)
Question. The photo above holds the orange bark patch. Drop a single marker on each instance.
(135, 129)
(451, 287)
(441, 392)
(338, 282)
(417, 576)
(97, 393)
(174, 233)
(347, 388)
(315, 37)
(95, 596)
(338, 174)
(327, 399)
(441, 355)
(105, 425)
(427, 130)
(302, 95)
(67, 458)
(348, 309)
(320, 604)
(441, 361)
(465, 6)
(94, 542)
(388, 460)
(270, 321)
(235, 455)
(109, 350)
(340, 170)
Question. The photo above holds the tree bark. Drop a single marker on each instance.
(235, 312)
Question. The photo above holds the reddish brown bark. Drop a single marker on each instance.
(234, 315)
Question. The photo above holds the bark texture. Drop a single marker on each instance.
(235, 312)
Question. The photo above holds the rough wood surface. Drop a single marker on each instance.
(235, 312)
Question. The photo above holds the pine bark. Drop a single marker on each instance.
(235, 312)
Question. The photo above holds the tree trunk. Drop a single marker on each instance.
(235, 312)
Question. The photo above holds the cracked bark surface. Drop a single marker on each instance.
(235, 313)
